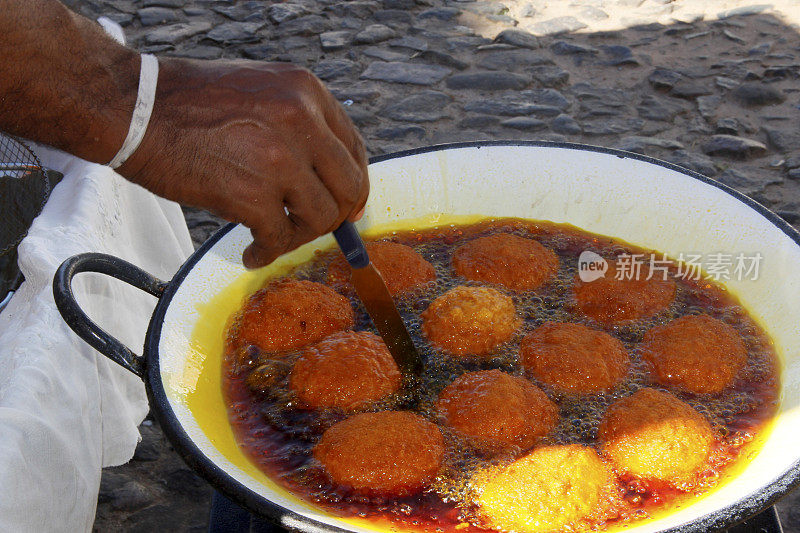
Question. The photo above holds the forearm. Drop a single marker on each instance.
(63, 81)
(265, 144)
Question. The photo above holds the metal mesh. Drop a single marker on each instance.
(16, 158)
(24, 189)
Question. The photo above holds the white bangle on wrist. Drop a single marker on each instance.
(145, 99)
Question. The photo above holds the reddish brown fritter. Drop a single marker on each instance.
(695, 352)
(347, 370)
(497, 411)
(288, 314)
(553, 488)
(400, 266)
(470, 320)
(610, 300)
(654, 435)
(515, 262)
(390, 452)
(574, 358)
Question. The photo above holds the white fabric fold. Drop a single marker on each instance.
(66, 411)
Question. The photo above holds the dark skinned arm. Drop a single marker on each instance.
(243, 139)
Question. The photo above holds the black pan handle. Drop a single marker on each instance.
(81, 324)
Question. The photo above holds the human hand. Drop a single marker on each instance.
(264, 144)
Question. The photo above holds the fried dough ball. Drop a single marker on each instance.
(573, 357)
(697, 353)
(515, 262)
(654, 435)
(347, 370)
(497, 410)
(390, 452)
(400, 266)
(470, 320)
(288, 314)
(551, 489)
(609, 300)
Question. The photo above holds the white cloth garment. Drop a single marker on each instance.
(66, 410)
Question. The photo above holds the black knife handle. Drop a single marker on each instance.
(352, 246)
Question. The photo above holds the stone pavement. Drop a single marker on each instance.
(712, 86)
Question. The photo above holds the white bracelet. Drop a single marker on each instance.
(145, 99)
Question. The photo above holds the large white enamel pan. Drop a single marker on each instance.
(635, 198)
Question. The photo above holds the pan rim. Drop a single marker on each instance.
(223, 482)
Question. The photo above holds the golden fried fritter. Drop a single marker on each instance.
(390, 452)
(515, 262)
(697, 353)
(347, 370)
(550, 489)
(470, 320)
(400, 266)
(654, 435)
(573, 357)
(609, 300)
(497, 410)
(288, 314)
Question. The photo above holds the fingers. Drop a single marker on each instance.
(341, 125)
(271, 238)
(307, 210)
(358, 212)
(317, 168)
(357, 215)
(312, 208)
(341, 175)
(343, 128)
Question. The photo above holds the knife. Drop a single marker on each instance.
(375, 296)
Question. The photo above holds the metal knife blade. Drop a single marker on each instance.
(376, 299)
(381, 309)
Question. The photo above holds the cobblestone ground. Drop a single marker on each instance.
(712, 86)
